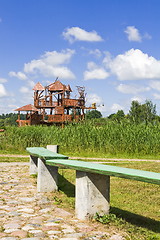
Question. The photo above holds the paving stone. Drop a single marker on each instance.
(68, 238)
(9, 238)
(27, 227)
(74, 235)
(32, 238)
(68, 230)
(54, 232)
(27, 199)
(14, 213)
(12, 225)
(24, 212)
(27, 210)
(10, 230)
(19, 233)
(116, 237)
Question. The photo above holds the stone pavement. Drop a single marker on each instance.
(26, 214)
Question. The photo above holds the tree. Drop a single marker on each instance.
(135, 112)
(93, 114)
(142, 112)
(119, 116)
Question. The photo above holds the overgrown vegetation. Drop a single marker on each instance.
(90, 138)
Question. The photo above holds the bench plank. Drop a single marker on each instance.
(44, 153)
(139, 175)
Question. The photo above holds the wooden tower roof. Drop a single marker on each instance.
(57, 86)
(28, 107)
(38, 87)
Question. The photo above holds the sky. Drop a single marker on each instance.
(110, 47)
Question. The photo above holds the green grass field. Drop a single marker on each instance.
(135, 206)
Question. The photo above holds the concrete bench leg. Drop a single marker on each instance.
(33, 165)
(92, 194)
(47, 177)
(53, 148)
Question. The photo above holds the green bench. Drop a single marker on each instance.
(92, 182)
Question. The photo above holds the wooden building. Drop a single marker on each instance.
(53, 105)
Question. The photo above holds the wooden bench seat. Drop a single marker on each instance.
(44, 153)
(139, 175)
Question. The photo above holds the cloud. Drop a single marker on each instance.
(147, 36)
(136, 98)
(133, 34)
(94, 98)
(24, 89)
(115, 107)
(3, 80)
(131, 89)
(19, 75)
(95, 52)
(78, 34)
(95, 72)
(155, 85)
(134, 65)
(3, 92)
(156, 96)
(49, 65)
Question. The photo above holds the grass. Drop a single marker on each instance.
(90, 138)
(134, 205)
(14, 159)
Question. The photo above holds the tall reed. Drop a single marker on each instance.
(103, 137)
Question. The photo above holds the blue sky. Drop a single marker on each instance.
(111, 47)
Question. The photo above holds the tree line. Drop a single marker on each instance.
(138, 113)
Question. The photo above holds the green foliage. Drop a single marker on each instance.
(107, 219)
(9, 119)
(142, 112)
(99, 136)
(93, 114)
(119, 116)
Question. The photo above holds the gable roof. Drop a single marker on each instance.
(38, 87)
(28, 107)
(58, 86)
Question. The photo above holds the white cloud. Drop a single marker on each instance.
(133, 34)
(98, 73)
(95, 72)
(131, 89)
(3, 80)
(156, 96)
(24, 89)
(136, 98)
(94, 98)
(115, 107)
(78, 34)
(134, 65)
(19, 75)
(3, 92)
(95, 52)
(147, 36)
(49, 65)
(155, 85)
(31, 83)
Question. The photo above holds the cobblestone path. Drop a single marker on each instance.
(26, 214)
